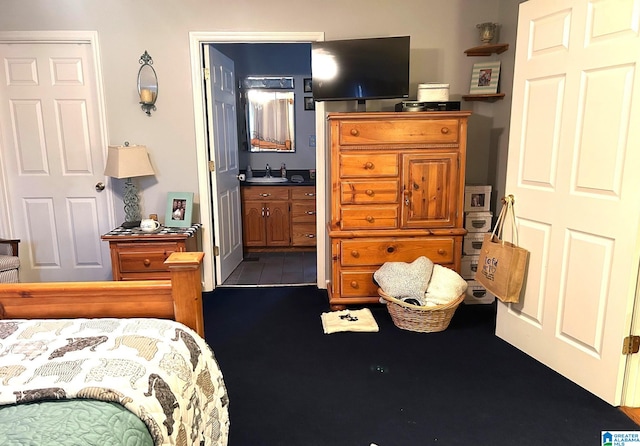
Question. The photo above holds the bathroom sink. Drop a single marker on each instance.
(267, 180)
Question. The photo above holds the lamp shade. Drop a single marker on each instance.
(128, 162)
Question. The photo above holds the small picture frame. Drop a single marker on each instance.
(307, 85)
(485, 77)
(308, 103)
(179, 210)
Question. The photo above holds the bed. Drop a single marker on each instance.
(118, 363)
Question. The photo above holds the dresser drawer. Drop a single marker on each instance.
(368, 165)
(264, 193)
(369, 217)
(303, 193)
(398, 131)
(367, 192)
(376, 251)
(140, 258)
(358, 283)
(303, 212)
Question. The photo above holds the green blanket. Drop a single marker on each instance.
(71, 423)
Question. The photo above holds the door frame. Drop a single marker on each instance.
(196, 40)
(82, 37)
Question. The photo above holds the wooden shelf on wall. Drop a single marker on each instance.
(483, 97)
(487, 49)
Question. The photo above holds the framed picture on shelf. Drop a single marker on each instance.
(307, 85)
(485, 77)
(179, 210)
(308, 103)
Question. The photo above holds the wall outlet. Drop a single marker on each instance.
(312, 141)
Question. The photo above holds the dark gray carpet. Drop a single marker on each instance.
(290, 384)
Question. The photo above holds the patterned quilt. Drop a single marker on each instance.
(160, 370)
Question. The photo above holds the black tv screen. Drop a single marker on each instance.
(375, 68)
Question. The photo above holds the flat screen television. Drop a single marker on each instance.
(360, 69)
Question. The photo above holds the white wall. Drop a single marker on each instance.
(440, 32)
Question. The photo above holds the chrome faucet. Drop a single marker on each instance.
(267, 171)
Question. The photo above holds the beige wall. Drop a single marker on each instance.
(440, 32)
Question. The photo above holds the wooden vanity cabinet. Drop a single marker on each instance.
(265, 216)
(397, 194)
(278, 216)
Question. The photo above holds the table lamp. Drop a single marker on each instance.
(128, 162)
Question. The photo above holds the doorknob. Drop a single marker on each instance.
(100, 186)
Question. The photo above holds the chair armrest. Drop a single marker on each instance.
(13, 243)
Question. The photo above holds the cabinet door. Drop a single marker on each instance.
(253, 224)
(277, 223)
(429, 190)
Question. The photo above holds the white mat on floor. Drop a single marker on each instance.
(349, 320)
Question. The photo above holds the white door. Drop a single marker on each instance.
(52, 159)
(220, 91)
(573, 162)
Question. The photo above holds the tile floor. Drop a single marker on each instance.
(275, 268)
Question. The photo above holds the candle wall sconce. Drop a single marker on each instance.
(147, 84)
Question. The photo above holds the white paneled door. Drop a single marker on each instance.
(52, 159)
(574, 154)
(220, 90)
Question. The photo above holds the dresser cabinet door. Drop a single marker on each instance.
(429, 190)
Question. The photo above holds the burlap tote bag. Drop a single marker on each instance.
(502, 264)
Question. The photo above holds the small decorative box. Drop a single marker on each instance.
(478, 221)
(477, 294)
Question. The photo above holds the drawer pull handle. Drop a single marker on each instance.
(355, 254)
(390, 249)
(311, 212)
(146, 262)
(369, 192)
(444, 130)
(310, 235)
(354, 284)
(442, 251)
(354, 132)
(310, 194)
(265, 195)
(370, 219)
(368, 165)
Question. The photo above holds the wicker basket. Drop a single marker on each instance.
(418, 318)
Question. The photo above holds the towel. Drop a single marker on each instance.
(349, 320)
(446, 285)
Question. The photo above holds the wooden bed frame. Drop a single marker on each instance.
(179, 299)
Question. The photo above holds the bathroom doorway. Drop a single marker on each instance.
(314, 263)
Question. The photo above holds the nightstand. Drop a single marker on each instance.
(137, 255)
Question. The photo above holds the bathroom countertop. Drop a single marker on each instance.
(260, 173)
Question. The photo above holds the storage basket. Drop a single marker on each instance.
(418, 318)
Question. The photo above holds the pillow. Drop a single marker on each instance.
(400, 279)
(445, 286)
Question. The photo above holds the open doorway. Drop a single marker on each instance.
(209, 246)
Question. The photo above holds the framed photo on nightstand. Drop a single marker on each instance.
(179, 209)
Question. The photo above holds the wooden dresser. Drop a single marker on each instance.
(397, 194)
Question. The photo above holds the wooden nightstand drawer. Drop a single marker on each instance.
(367, 192)
(369, 217)
(137, 258)
(399, 131)
(376, 251)
(362, 165)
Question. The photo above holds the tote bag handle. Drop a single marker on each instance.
(506, 211)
